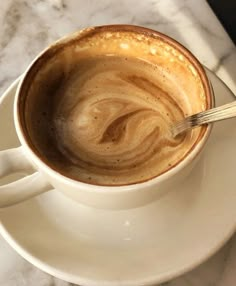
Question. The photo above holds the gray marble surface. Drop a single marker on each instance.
(26, 27)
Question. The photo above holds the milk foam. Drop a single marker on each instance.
(112, 121)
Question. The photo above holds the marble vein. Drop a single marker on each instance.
(223, 58)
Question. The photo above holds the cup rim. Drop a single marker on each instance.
(78, 35)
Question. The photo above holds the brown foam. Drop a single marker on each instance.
(104, 119)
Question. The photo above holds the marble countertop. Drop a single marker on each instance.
(26, 27)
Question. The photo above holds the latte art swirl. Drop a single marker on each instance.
(112, 119)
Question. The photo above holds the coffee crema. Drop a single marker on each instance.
(106, 119)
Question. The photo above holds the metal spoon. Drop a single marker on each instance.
(211, 115)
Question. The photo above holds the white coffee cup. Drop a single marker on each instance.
(45, 178)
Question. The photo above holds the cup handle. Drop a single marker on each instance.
(14, 160)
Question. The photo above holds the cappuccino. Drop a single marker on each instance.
(103, 117)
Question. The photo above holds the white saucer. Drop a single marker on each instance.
(135, 247)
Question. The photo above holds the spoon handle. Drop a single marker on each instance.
(211, 115)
